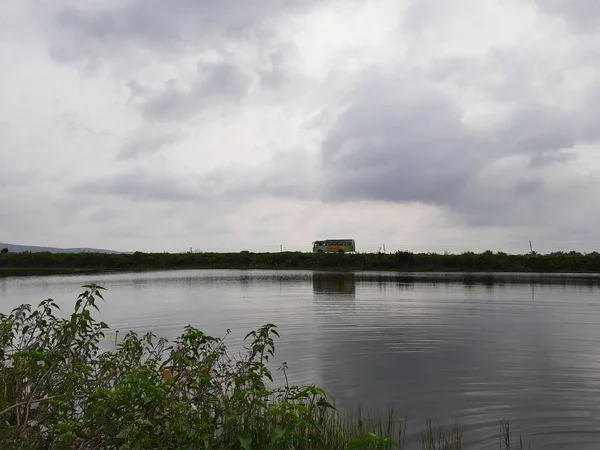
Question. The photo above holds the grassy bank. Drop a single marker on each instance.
(400, 261)
(59, 390)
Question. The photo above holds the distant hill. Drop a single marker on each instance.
(13, 248)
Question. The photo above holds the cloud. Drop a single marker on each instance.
(216, 83)
(114, 28)
(399, 141)
(490, 137)
(147, 140)
(285, 175)
(274, 76)
(581, 15)
(535, 128)
(545, 159)
(450, 120)
(140, 186)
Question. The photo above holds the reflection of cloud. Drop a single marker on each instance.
(473, 354)
(476, 352)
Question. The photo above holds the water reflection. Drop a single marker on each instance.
(334, 283)
(472, 347)
(440, 353)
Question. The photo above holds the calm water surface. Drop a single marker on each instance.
(439, 347)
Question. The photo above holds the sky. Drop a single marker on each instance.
(425, 125)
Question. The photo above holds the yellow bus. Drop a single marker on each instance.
(334, 246)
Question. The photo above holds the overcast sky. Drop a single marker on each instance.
(435, 125)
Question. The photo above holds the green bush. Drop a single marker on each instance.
(399, 261)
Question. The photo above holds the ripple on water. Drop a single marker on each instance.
(435, 346)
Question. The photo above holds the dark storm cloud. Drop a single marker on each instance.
(401, 140)
(535, 129)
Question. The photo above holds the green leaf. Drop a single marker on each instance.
(230, 422)
(325, 404)
(278, 433)
(245, 442)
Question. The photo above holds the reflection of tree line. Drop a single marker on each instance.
(345, 282)
(471, 280)
(335, 290)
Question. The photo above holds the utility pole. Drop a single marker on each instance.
(383, 248)
(280, 248)
(530, 247)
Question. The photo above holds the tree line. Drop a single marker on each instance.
(487, 261)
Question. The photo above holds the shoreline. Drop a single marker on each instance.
(591, 280)
(14, 264)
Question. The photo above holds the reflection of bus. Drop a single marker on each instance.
(334, 283)
(334, 246)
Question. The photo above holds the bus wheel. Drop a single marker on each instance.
(340, 251)
(319, 251)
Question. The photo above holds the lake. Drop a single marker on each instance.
(472, 349)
